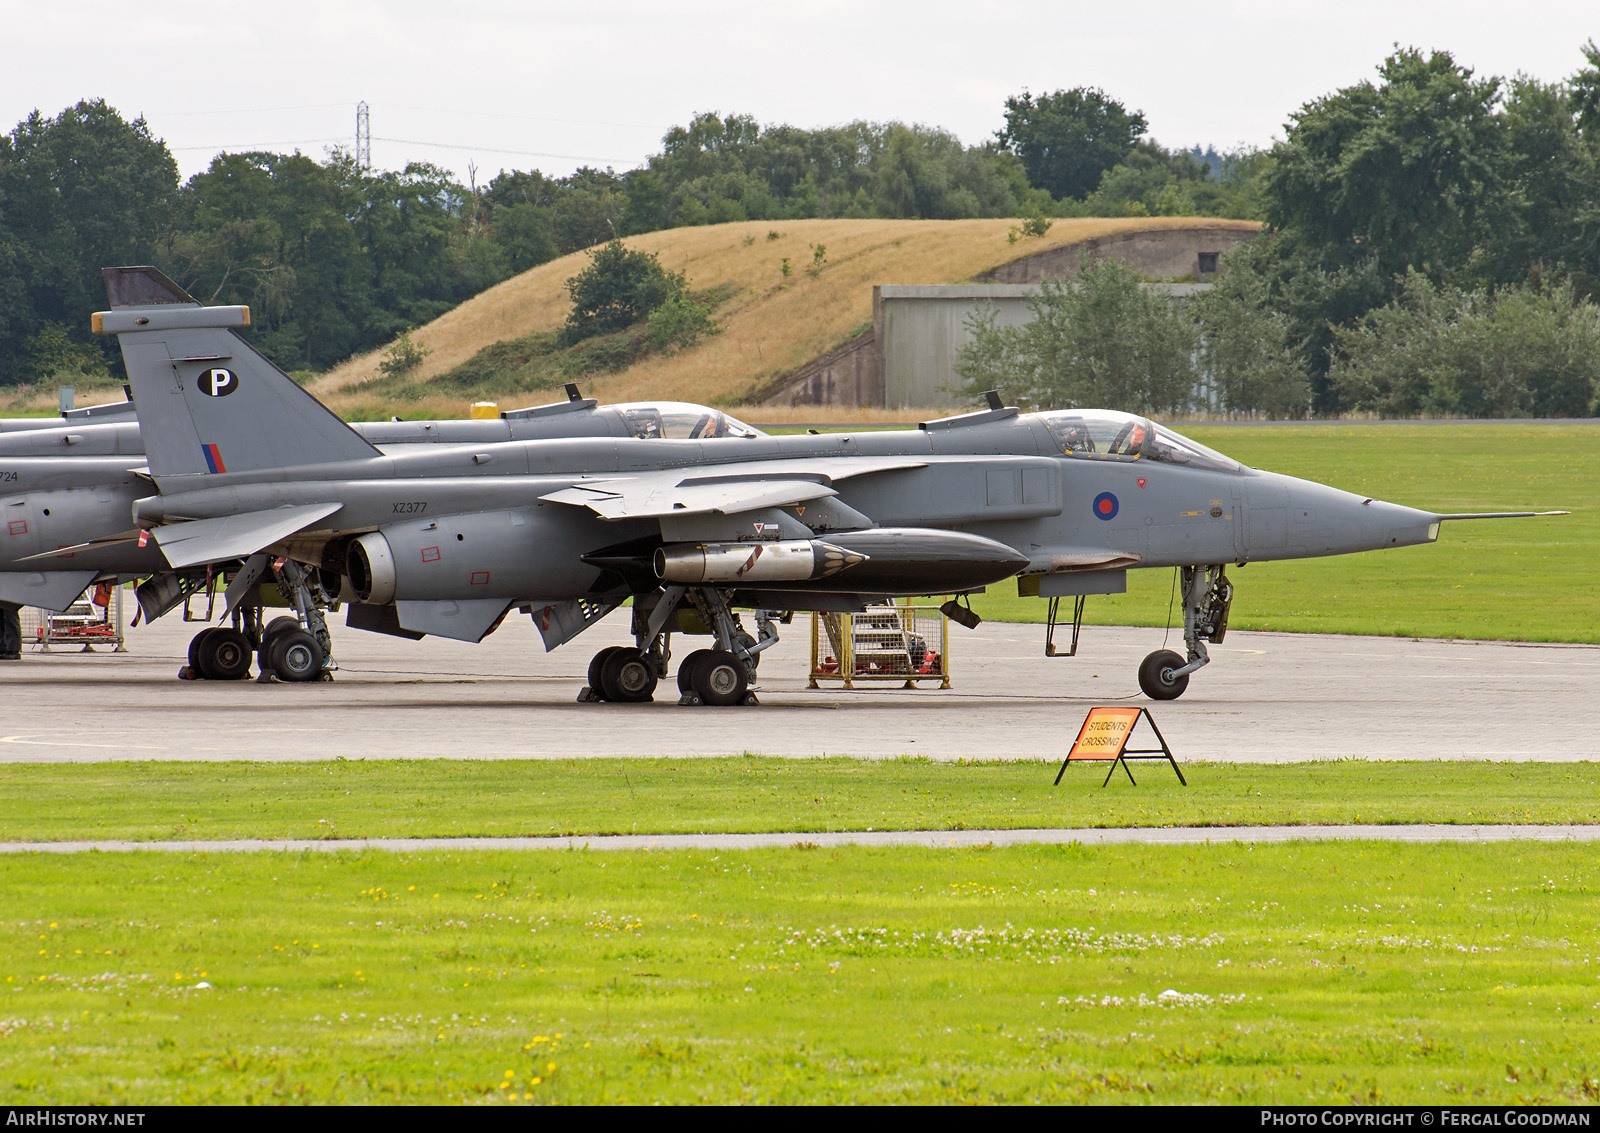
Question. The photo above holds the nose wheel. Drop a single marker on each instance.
(1207, 597)
(1156, 675)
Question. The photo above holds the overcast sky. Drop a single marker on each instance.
(554, 86)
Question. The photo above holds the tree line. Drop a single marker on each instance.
(335, 259)
(1427, 205)
(1432, 246)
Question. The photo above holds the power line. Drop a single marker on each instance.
(526, 117)
(257, 110)
(512, 152)
(239, 148)
(261, 145)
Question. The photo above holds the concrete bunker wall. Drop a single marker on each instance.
(908, 357)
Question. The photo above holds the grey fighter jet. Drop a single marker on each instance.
(61, 483)
(67, 488)
(67, 492)
(118, 434)
(448, 540)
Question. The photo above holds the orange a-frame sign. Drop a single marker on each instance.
(1105, 735)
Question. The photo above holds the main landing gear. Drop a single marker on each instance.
(1207, 595)
(290, 649)
(718, 677)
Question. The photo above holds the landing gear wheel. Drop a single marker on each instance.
(224, 655)
(270, 633)
(720, 679)
(194, 649)
(1155, 675)
(597, 666)
(627, 677)
(295, 656)
(686, 669)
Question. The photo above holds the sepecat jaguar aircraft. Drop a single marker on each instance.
(73, 480)
(245, 465)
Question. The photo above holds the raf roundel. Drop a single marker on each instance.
(1105, 506)
(217, 382)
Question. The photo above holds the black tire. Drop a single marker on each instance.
(276, 626)
(720, 679)
(686, 669)
(627, 677)
(225, 655)
(10, 631)
(269, 633)
(295, 656)
(597, 665)
(1155, 675)
(194, 649)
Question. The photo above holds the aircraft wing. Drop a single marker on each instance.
(727, 488)
(644, 498)
(195, 541)
(48, 590)
(118, 539)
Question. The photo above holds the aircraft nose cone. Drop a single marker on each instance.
(1291, 518)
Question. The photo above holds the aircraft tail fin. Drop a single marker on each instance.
(142, 287)
(208, 402)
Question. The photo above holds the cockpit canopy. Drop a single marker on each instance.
(1104, 434)
(681, 420)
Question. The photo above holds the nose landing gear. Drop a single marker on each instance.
(1207, 597)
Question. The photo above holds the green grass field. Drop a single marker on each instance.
(1317, 973)
(1323, 973)
(1522, 580)
(501, 798)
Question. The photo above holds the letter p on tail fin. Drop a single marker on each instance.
(208, 402)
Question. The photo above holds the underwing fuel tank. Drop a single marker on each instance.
(791, 560)
(903, 561)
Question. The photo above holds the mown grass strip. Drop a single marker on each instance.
(1316, 974)
(1510, 579)
(458, 798)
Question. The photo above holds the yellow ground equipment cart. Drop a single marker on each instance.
(95, 619)
(891, 642)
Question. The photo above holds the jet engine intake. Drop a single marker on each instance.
(370, 563)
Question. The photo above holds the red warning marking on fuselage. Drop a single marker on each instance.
(480, 578)
(430, 554)
(1140, 481)
(17, 527)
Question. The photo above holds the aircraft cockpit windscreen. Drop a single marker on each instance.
(1103, 434)
(681, 421)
